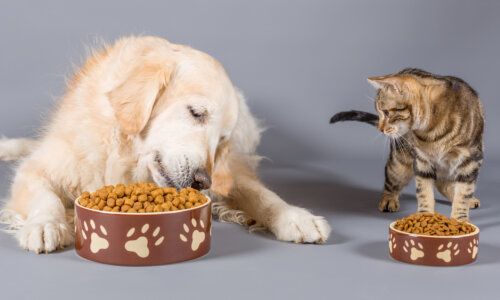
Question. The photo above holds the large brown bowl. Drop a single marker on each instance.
(143, 239)
(433, 250)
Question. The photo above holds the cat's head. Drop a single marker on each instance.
(394, 103)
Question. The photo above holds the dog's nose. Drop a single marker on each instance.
(201, 180)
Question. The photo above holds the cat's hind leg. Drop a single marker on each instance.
(464, 192)
(465, 186)
(398, 172)
(447, 189)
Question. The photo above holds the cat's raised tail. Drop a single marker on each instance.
(355, 115)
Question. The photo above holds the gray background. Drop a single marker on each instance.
(297, 63)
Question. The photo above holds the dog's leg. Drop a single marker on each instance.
(287, 222)
(45, 227)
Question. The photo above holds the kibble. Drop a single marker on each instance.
(433, 224)
(141, 198)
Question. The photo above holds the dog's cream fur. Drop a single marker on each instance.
(129, 105)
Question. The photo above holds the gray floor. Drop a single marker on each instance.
(298, 62)
(354, 264)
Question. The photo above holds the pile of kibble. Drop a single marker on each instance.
(433, 224)
(141, 198)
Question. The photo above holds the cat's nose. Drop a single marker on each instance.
(381, 127)
(201, 180)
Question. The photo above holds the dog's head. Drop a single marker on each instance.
(182, 111)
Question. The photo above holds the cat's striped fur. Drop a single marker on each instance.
(436, 125)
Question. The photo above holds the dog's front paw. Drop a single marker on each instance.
(297, 225)
(45, 236)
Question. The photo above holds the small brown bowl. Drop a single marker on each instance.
(433, 250)
(143, 239)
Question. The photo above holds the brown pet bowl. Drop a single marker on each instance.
(433, 250)
(143, 239)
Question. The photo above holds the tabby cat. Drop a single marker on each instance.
(436, 125)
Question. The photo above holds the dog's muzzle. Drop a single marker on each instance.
(201, 180)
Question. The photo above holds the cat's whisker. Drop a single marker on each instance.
(371, 98)
(391, 145)
(386, 143)
(404, 146)
(398, 145)
(396, 142)
(401, 146)
(376, 137)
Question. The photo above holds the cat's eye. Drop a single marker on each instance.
(386, 113)
(199, 116)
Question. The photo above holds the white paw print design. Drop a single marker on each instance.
(197, 237)
(416, 250)
(140, 245)
(392, 242)
(473, 248)
(97, 242)
(448, 253)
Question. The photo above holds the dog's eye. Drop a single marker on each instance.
(199, 116)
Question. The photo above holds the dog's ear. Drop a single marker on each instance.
(236, 157)
(133, 99)
(222, 180)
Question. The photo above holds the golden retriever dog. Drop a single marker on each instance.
(145, 109)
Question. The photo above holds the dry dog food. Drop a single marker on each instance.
(141, 198)
(433, 224)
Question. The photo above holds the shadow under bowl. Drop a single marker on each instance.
(143, 239)
(433, 250)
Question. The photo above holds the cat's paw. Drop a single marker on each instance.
(474, 203)
(388, 204)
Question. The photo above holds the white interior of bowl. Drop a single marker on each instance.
(436, 236)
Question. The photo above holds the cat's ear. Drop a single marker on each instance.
(393, 84)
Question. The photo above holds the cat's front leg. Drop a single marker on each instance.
(425, 178)
(425, 194)
(398, 172)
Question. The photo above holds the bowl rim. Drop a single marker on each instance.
(209, 201)
(391, 226)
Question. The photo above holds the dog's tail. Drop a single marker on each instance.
(355, 115)
(15, 149)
